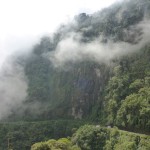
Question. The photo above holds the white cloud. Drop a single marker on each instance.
(71, 50)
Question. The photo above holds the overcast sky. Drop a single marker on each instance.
(22, 21)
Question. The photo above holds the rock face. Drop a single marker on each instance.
(57, 92)
(65, 93)
(88, 89)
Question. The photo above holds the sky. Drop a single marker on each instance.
(23, 21)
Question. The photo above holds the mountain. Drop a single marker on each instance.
(95, 68)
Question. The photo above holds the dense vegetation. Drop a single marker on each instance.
(21, 135)
(114, 92)
(63, 143)
(91, 137)
(128, 93)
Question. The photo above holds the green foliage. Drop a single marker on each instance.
(117, 90)
(89, 137)
(61, 144)
(135, 110)
(128, 91)
(22, 135)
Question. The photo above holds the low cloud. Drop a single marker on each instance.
(13, 87)
(72, 50)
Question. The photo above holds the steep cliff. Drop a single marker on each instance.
(93, 68)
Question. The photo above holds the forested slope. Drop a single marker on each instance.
(128, 92)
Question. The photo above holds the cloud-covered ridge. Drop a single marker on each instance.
(72, 50)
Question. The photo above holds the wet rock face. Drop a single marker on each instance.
(88, 89)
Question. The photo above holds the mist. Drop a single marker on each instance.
(74, 47)
(13, 87)
(71, 49)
